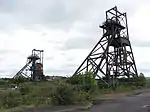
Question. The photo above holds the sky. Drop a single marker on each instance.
(66, 30)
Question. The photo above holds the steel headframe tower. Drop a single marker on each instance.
(34, 67)
(112, 56)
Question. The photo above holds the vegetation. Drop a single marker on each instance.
(56, 92)
(77, 89)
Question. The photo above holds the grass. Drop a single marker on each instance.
(17, 108)
(57, 92)
(133, 93)
(42, 94)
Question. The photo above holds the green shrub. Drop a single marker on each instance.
(17, 81)
(63, 95)
(82, 96)
(24, 89)
(57, 92)
(147, 83)
(10, 99)
(85, 81)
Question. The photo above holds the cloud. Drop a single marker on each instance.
(2, 51)
(141, 43)
(79, 43)
(53, 13)
(66, 30)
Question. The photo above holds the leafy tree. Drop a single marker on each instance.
(141, 80)
(85, 81)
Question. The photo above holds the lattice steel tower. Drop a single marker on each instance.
(34, 67)
(112, 56)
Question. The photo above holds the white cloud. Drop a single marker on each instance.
(66, 30)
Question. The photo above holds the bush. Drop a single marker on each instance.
(147, 83)
(85, 81)
(57, 92)
(18, 80)
(63, 95)
(83, 96)
(10, 99)
(24, 90)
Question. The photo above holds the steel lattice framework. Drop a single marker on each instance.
(33, 69)
(112, 56)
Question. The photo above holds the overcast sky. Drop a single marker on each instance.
(66, 30)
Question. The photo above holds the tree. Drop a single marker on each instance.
(140, 80)
(85, 80)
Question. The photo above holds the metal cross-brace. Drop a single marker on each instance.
(112, 56)
(34, 66)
